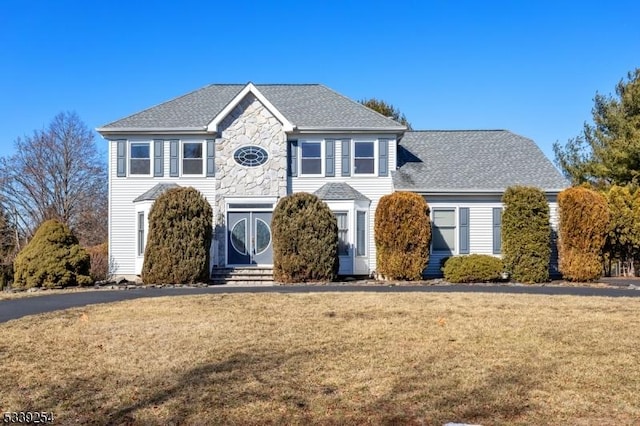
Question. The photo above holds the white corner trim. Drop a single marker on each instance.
(213, 125)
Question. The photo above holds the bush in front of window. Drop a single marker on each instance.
(473, 268)
(584, 222)
(180, 231)
(53, 258)
(526, 234)
(403, 236)
(305, 240)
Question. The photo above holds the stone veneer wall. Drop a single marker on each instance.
(249, 123)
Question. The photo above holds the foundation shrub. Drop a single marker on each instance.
(403, 236)
(179, 238)
(526, 234)
(99, 259)
(584, 222)
(53, 258)
(305, 240)
(473, 268)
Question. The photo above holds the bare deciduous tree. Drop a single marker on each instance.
(57, 173)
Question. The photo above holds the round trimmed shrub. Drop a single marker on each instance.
(53, 258)
(305, 240)
(403, 236)
(180, 228)
(584, 221)
(473, 268)
(526, 234)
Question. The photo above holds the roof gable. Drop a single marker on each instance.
(249, 88)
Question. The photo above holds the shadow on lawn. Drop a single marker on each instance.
(503, 398)
(245, 383)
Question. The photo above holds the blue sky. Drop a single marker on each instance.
(532, 67)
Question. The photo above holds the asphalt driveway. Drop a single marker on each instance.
(17, 308)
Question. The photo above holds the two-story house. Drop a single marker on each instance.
(245, 146)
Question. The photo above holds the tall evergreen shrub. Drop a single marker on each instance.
(305, 240)
(403, 236)
(526, 234)
(584, 222)
(53, 258)
(180, 228)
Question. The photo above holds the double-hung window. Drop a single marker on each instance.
(311, 158)
(444, 230)
(343, 233)
(364, 158)
(361, 233)
(140, 163)
(141, 240)
(192, 158)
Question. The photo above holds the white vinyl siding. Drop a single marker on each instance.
(123, 227)
(481, 228)
(372, 186)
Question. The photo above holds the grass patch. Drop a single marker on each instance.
(329, 359)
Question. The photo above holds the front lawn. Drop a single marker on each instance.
(353, 358)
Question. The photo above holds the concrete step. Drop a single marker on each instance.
(244, 275)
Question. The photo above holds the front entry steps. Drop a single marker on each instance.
(250, 276)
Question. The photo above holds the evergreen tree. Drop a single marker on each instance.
(387, 110)
(608, 150)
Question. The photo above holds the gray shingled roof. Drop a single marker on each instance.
(472, 160)
(304, 105)
(339, 191)
(155, 192)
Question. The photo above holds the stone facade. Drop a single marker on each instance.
(249, 123)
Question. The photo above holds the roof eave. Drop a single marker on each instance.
(108, 131)
(468, 191)
(321, 129)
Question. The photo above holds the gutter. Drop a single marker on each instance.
(152, 130)
(468, 191)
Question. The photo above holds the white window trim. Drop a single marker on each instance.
(181, 159)
(322, 158)
(130, 158)
(375, 157)
(141, 242)
(456, 218)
